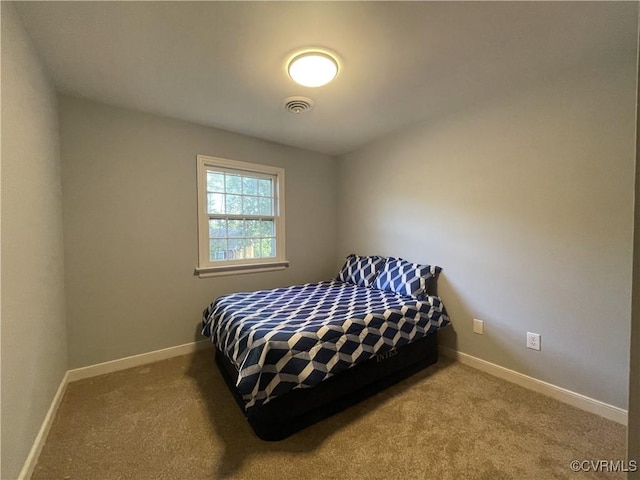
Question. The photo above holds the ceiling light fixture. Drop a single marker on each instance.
(313, 68)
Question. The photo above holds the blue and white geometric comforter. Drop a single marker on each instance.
(298, 336)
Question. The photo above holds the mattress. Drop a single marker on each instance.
(296, 337)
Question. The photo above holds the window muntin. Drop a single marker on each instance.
(241, 215)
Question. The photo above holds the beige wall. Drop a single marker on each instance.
(130, 223)
(525, 198)
(34, 345)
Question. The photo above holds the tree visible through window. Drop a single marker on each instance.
(241, 206)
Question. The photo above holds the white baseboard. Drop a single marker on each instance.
(38, 443)
(577, 400)
(92, 371)
(136, 360)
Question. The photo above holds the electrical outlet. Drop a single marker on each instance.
(478, 326)
(533, 341)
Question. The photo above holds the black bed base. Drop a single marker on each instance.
(285, 415)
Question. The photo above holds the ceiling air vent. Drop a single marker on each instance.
(297, 104)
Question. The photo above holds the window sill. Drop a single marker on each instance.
(207, 272)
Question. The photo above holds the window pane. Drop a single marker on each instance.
(233, 183)
(267, 228)
(215, 203)
(236, 249)
(217, 228)
(268, 246)
(236, 229)
(217, 250)
(249, 185)
(234, 204)
(265, 187)
(215, 181)
(252, 248)
(265, 206)
(255, 245)
(250, 206)
(252, 228)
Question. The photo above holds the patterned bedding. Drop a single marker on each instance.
(298, 336)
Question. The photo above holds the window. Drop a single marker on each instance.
(240, 217)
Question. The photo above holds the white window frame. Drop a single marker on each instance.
(208, 268)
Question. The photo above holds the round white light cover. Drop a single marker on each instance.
(313, 69)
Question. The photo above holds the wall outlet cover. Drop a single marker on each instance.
(478, 326)
(533, 341)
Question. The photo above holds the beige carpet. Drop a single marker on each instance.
(175, 419)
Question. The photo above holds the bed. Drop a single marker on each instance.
(292, 356)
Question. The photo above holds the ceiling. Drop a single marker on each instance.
(223, 63)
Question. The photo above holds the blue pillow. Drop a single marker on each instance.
(406, 278)
(361, 271)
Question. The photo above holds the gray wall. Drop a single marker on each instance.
(633, 443)
(34, 343)
(130, 221)
(634, 377)
(525, 198)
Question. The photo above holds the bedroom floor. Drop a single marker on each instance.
(176, 419)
